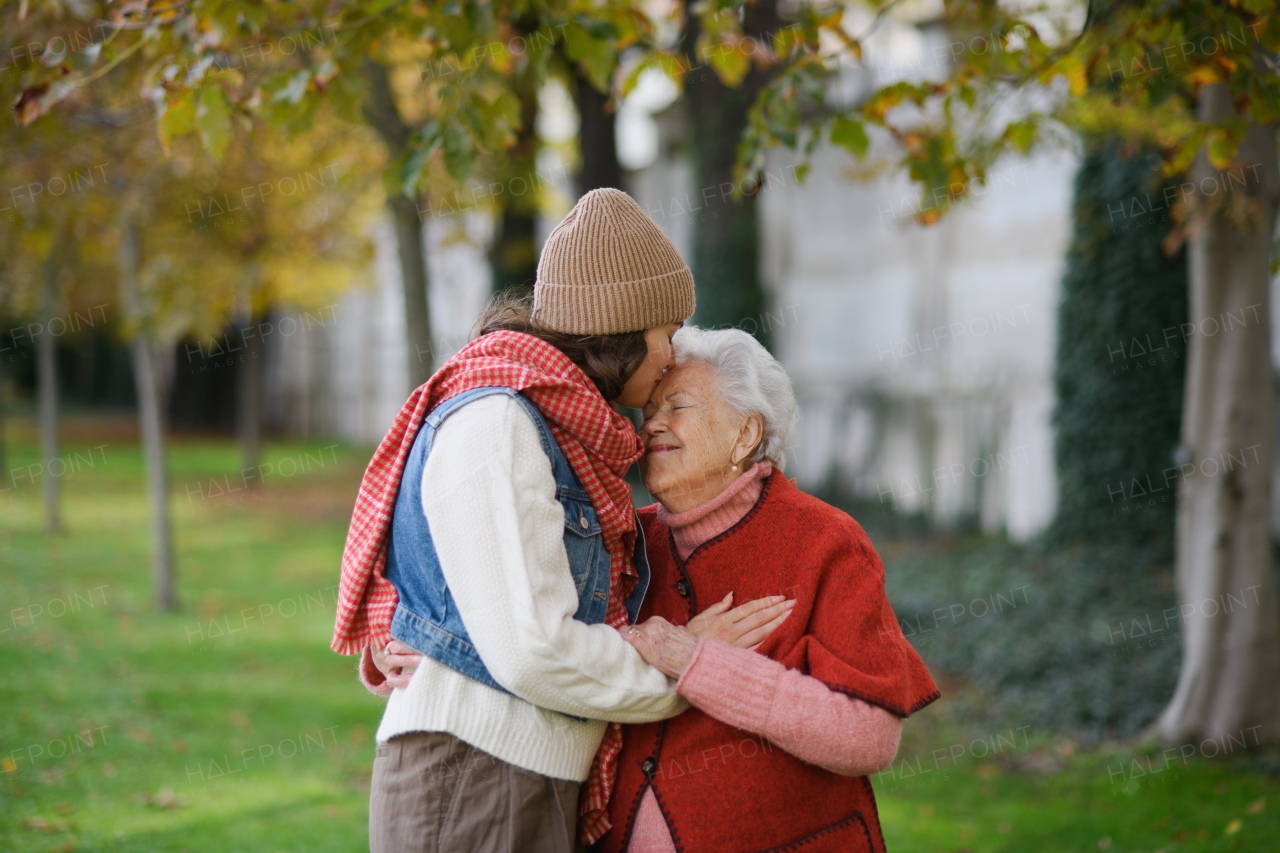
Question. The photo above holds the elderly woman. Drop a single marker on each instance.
(776, 750)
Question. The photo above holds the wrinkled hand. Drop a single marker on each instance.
(745, 626)
(397, 662)
(666, 647)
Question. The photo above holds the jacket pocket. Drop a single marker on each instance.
(847, 835)
(583, 544)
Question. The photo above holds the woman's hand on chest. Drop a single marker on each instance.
(669, 648)
(745, 626)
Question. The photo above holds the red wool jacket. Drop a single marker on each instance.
(724, 790)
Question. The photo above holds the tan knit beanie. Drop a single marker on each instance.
(608, 269)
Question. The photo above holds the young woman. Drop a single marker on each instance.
(494, 534)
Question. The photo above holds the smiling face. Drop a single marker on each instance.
(692, 439)
(636, 391)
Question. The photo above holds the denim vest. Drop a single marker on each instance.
(426, 617)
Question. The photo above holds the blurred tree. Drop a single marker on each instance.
(1118, 375)
(47, 373)
(513, 254)
(385, 116)
(720, 88)
(1197, 81)
(154, 224)
(441, 87)
(597, 137)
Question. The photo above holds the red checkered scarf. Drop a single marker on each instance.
(600, 445)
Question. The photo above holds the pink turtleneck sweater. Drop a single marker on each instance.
(751, 692)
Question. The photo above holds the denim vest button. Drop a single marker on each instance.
(582, 519)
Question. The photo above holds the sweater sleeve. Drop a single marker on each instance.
(797, 712)
(490, 501)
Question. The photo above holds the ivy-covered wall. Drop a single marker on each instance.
(1121, 354)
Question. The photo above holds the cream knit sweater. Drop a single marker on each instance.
(490, 501)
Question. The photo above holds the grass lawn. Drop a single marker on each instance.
(231, 726)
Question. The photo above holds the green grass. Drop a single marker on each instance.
(231, 726)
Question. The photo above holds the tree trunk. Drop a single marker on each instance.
(1229, 685)
(150, 418)
(597, 136)
(513, 257)
(249, 401)
(411, 245)
(384, 116)
(47, 383)
(725, 262)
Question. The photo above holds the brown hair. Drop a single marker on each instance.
(608, 360)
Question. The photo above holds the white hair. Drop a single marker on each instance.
(752, 382)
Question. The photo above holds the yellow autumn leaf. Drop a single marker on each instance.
(1234, 826)
(729, 61)
(1073, 69)
(1204, 75)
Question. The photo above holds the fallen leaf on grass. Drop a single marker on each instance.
(1256, 806)
(1104, 843)
(1234, 826)
(38, 822)
(165, 798)
(108, 769)
(1004, 827)
(64, 808)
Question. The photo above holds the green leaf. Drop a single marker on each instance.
(1221, 150)
(851, 135)
(459, 151)
(292, 91)
(600, 29)
(499, 121)
(213, 120)
(409, 169)
(179, 118)
(1021, 135)
(595, 55)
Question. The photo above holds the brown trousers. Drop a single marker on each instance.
(434, 793)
